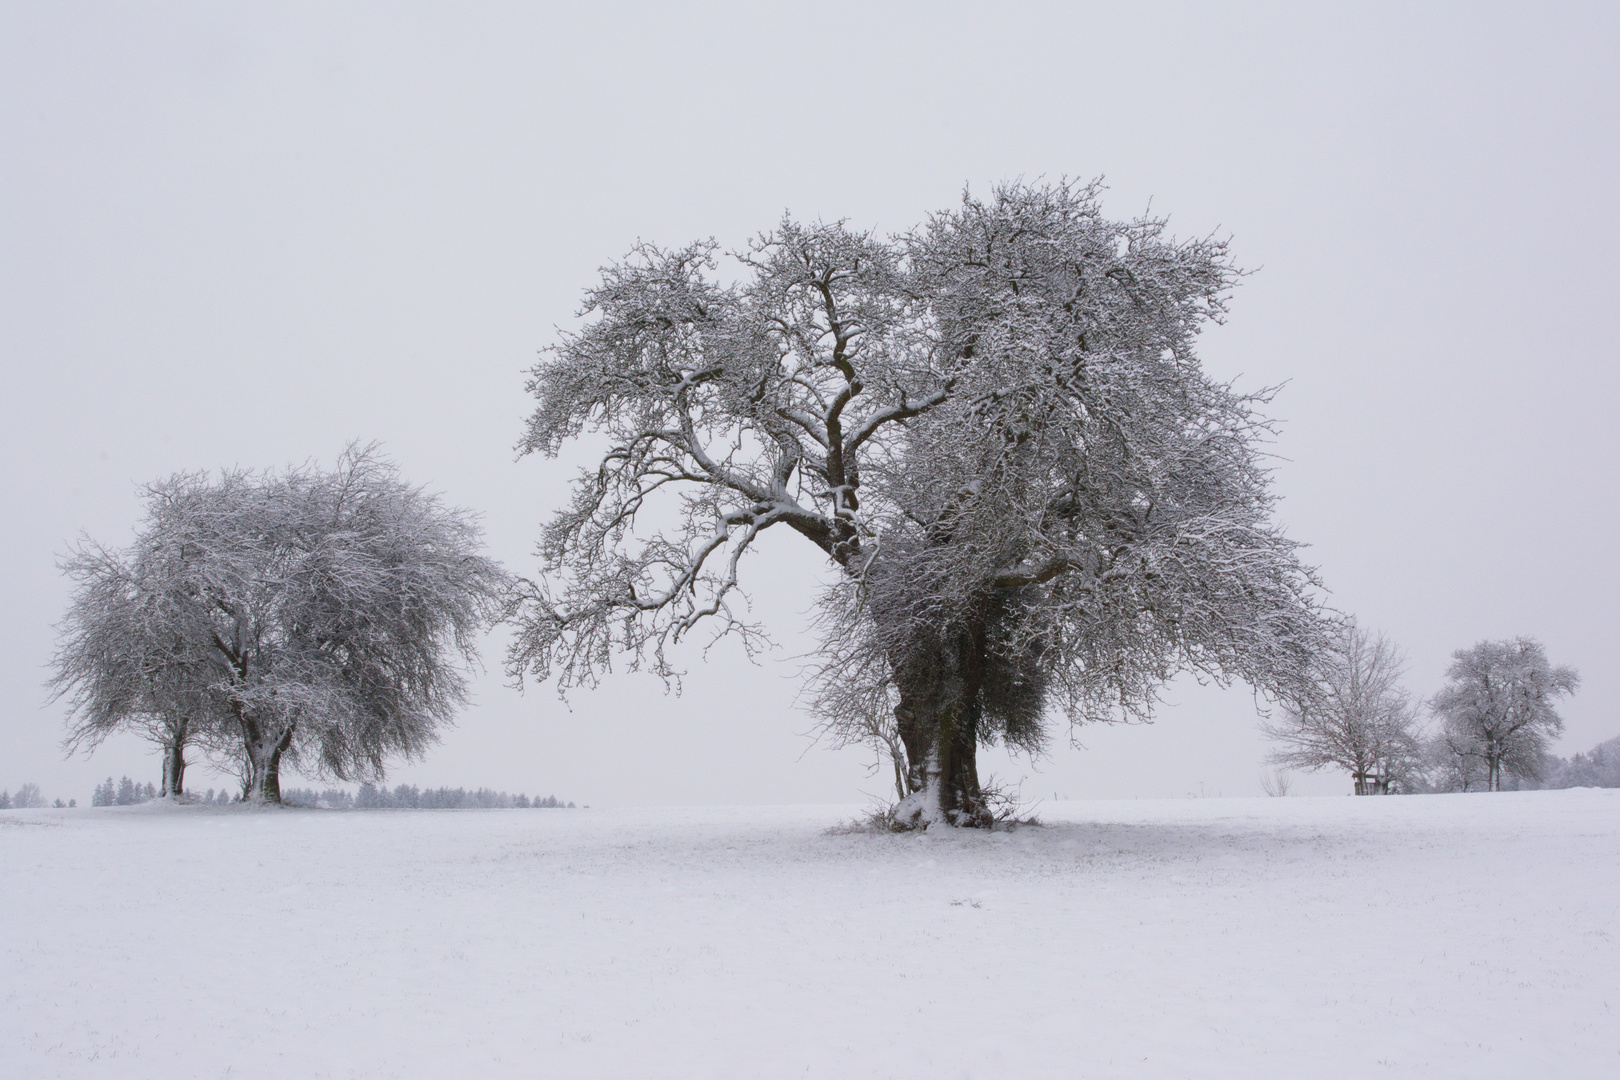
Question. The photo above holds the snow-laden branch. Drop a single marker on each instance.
(310, 616)
(996, 427)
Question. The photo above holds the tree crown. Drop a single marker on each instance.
(997, 416)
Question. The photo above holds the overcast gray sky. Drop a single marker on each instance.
(246, 234)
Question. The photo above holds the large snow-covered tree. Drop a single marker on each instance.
(1498, 707)
(1086, 517)
(318, 617)
(1360, 719)
(995, 427)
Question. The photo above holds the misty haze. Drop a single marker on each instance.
(890, 541)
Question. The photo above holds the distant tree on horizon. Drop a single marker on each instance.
(1597, 767)
(125, 793)
(28, 797)
(1359, 719)
(1497, 713)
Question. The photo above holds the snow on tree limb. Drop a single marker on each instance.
(309, 616)
(995, 426)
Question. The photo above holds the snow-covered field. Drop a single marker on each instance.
(1472, 936)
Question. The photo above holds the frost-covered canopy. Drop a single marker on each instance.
(304, 615)
(995, 425)
(1498, 711)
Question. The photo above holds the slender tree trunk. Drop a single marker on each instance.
(895, 757)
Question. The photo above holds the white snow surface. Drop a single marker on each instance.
(1472, 936)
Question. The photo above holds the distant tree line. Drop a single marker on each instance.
(1598, 767)
(410, 797)
(28, 797)
(370, 797)
(126, 793)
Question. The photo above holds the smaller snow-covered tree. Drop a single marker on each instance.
(317, 617)
(28, 797)
(1359, 719)
(1498, 708)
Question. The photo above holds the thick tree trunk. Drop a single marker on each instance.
(938, 719)
(264, 750)
(942, 747)
(174, 769)
(955, 690)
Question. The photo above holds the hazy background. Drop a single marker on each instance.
(247, 234)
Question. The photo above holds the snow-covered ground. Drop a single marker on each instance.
(1472, 936)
